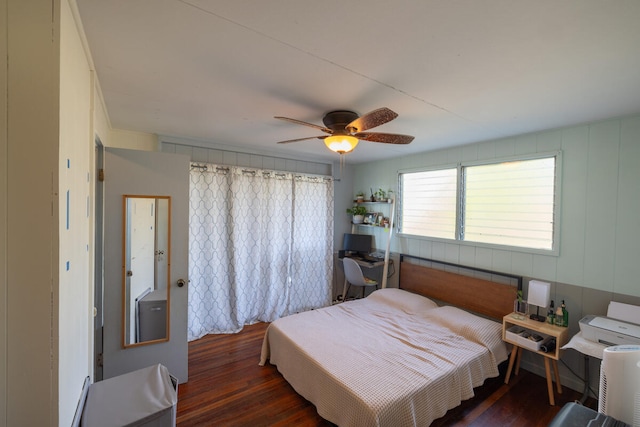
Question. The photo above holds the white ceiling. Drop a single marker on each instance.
(456, 72)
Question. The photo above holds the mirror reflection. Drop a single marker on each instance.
(146, 269)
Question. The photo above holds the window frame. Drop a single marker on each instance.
(399, 213)
(460, 199)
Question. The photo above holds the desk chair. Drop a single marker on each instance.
(353, 276)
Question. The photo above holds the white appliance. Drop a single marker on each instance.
(620, 383)
(151, 316)
(609, 331)
(147, 397)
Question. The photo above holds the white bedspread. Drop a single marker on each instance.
(391, 359)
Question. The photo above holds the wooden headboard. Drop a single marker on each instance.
(479, 295)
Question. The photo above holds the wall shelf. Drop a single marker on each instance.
(369, 225)
(387, 245)
(367, 202)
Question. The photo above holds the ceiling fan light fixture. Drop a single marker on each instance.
(341, 143)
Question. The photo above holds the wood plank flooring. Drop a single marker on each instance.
(226, 387)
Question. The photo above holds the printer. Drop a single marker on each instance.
(609, 331)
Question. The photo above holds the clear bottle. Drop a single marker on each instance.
(565, 315)
(551, 315)
(559, 316)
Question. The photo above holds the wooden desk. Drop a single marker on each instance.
(367, 264)
(559, 333)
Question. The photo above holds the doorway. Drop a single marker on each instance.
(98, 319)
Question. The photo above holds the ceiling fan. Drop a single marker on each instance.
(345, 129)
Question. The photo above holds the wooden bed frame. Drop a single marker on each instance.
(481, 296)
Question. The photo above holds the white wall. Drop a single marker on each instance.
(101, 124)
(4, 177)
(31, 225)
(133, 140)
(46, 87)
(209, 153)
(75, 181)
(599, 223)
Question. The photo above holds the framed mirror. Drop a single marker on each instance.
(146, 269)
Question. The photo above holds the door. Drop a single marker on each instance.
(159, 176)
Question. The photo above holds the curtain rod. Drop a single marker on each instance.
(279, 174)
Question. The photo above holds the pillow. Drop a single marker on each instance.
(403, 300)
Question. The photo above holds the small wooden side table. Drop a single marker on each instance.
(561, 335)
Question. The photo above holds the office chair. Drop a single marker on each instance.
(353, 276)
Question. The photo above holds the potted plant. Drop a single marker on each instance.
(360, 197)
(358, 214)
(381, 195)
(520, 306)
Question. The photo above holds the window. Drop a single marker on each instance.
(510, 203)
(428, 203)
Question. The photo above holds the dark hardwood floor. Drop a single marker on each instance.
(226, 387)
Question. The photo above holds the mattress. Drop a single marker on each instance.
(391, 359)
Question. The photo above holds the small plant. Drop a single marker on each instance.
(357, 210)
(381, 194)
(520, 306)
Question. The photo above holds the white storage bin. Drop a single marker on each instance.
(531, 340)
(514, 333)
(525, 338)
(146, 397)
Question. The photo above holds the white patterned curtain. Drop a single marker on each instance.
(260, 246)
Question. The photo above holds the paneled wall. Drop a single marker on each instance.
(4, 201)
(599, 226)
(46, 212)
(237, 158)
(29, 281)
(75, 219)
(599, 219)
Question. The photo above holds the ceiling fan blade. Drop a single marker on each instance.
(386, 138)
(371, 119)
(300, 122)
(301, 139)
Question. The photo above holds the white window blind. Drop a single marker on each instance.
(428, 203)
(510, 203)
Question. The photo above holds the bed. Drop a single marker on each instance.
(397, 357)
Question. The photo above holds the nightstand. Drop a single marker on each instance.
(515, 330)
